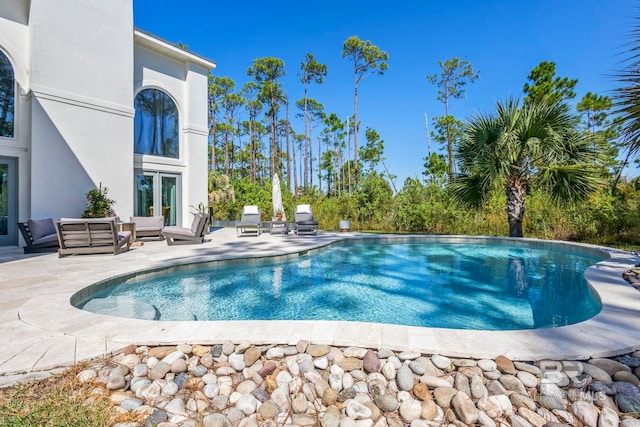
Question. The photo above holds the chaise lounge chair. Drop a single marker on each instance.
(91, 236)
(251, 221)
(305, 222)
(39, 235)
(187, 236)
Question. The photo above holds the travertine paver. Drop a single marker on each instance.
(41, 330)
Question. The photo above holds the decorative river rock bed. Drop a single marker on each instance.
(319, 385)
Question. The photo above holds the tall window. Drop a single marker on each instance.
(7, 96)
(156, 124)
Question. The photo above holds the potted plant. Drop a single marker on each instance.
(98, 205)
(279, 214)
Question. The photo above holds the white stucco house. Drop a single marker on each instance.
(87, 99)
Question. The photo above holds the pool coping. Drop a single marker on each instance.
(43, 330)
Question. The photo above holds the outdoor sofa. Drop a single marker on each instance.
(39, 235)
(186, 236)
(78, 236)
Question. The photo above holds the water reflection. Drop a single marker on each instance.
(464, 286)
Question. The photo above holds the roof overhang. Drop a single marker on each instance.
(156, 44)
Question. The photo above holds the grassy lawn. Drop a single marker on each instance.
(60, 400)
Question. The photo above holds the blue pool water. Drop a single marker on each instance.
(476, 285)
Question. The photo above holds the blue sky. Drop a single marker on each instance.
(502, 39)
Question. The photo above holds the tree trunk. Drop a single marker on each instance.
(355, 132)
(252, 149)
(306, 140)
(449, 141)
(272, 148)
(320, 165)
(288, 146)
(212, 131)
(310, 158)
(295, 171)
(515, 192)
(242, 171)
(226, 153)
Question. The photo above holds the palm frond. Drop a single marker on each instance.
(626, 99)
(570, 182)
(471, 190)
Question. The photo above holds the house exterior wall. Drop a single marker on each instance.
(187, 85)
(197, 134)
(78, 65)
(14, 43)
(82, 98)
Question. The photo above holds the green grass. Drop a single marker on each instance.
(59, 401)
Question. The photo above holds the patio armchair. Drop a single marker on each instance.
(305, 222)
(251, 221)
(187, 236)
(39, 235)
(149, 226)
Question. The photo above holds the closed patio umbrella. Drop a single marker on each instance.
(276, 195)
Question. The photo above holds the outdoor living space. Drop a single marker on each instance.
(43, 330)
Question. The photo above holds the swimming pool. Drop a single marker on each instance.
(491, 285)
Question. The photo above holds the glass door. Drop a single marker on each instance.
(158, 194)
(144, 195)
(169, 192)
(8, 201)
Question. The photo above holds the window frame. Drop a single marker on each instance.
(13, 136)
(178, 134)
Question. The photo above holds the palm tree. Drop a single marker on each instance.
(518, 148)
(626, 99)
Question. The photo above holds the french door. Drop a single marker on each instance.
(158, 193)
(8, 201)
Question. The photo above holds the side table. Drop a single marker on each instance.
(279, 227)
(131, 227)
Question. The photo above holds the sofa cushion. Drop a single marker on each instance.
(304, 217)
(251, 210)
(303, 209)
(148, 223)
(110, 218)
(196, 221)
(40, 228)
(49, 238)
(179, 230)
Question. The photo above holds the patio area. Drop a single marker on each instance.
(41, 330)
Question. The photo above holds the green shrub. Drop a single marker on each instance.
(98, 205)
(428, 208)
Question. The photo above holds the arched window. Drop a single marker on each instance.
(7, 96)
(156, 124)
